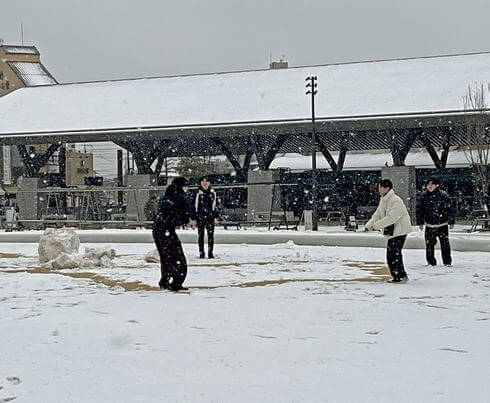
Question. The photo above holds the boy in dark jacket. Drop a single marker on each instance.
(435, 212)
(172, 213)
(204, 211)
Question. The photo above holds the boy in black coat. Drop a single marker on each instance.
(204, 210)
(435, 212)
(172, 212)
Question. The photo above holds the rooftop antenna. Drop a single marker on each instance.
(270, 57)
(22, 32)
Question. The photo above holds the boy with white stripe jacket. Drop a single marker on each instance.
(204, 210)
(434, 210)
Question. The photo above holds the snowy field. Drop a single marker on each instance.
(267, 323)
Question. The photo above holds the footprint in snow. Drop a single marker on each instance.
(13, 380)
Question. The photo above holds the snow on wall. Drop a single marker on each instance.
(32, 74)
(396, 86)
(26, 50)
(366, 161)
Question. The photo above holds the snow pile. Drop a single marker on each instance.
(58, 249)
(152, 256)
(93, 257)
(54, 242)
(65, 261)
(99, 257)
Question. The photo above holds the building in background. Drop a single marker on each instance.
(79, 165)
(281, 64)
(20, 66)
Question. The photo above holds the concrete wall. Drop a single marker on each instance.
(30, 203)
(404, 184)
(260, 191)
(136, 200)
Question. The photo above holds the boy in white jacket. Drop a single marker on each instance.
(392, 217)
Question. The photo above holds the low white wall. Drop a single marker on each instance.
(459, 242)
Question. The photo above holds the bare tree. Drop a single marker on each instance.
(478, 137)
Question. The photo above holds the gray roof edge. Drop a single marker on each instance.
(319, 120)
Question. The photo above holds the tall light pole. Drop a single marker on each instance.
(311, 90)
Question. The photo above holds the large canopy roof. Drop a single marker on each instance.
(346, 92)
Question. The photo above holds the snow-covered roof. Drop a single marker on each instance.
(32, 74)
(25, 50)
(368, 160)
(351, 89)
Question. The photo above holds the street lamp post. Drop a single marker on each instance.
(311, 90)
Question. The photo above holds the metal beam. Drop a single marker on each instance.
(265, 154)
(439, 162)
(401, 143)
(274, 149)
(228, 153)
(338, 166)
(326, 153)
(32, 162)
(241, 129)
(145, 151)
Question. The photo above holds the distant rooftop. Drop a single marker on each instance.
(32, 74)
(18, 49)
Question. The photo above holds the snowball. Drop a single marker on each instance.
(58, 249)
(54, 242)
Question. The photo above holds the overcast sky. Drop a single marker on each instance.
(106, 39)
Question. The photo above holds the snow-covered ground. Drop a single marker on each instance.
(260, 323)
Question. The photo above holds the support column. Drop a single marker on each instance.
(260, 194)
(28, 201)
(404, 184)
(120, 177)
(136, 199)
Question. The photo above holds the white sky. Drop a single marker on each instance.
(104, 39)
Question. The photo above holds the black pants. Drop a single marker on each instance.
(172, 259)
(201, 226)
(431, 235)
(394, 256)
